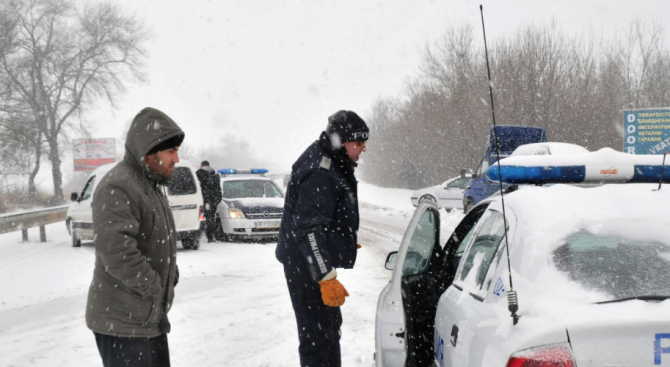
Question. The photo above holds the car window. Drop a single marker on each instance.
(182, 182)
(617, 266)
(458, 183)
(87, 192)
(483, 248)
(238, 189)
(421, 245)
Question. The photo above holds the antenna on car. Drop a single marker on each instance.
(512, 301)
(662, 168)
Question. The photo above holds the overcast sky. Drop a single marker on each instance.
(271, 72)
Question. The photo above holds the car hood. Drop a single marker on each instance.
(256, 205)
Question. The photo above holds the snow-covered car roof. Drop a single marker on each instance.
(549, 148)
(547, 218)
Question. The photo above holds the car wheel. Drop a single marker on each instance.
(76, 242)
(427, 198)
(195, 243)
(469, 203)
(187, 243)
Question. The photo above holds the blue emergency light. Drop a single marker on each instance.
(605, 165)
(233, 171)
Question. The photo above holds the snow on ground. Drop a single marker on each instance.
(231, 306)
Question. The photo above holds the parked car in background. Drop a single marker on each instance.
(589, 266)
(509, 138)
(252, 205)
(448, 195)
(183, 193)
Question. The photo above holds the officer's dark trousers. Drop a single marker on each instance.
(117, 351)
(210, 221)
(318, 324)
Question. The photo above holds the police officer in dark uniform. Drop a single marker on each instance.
(318, 234)
(210, 184)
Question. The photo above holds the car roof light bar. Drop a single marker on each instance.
(233, 171)
(603, 166)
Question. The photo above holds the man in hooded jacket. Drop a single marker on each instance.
(136, 248)
(318, 234)
(210, 183)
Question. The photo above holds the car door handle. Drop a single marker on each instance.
(454, 335)
(400, 335)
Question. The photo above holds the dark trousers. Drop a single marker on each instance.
(117, 351)
(210, 221)
(318, 324)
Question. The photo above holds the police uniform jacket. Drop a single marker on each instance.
(321, 219)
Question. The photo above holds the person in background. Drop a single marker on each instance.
(136, 248)
(210, 183)
(318, 234)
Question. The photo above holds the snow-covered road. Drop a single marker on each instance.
(231, 307)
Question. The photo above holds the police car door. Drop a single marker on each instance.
(411, 297)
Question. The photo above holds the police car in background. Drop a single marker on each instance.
(590, 268)
(183, 193)
(252, 205)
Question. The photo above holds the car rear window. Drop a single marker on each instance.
(238, 189)
(182, 182)
(617, 266)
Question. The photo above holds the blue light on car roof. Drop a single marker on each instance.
(577, 174)
(537, 175)
(253, 171)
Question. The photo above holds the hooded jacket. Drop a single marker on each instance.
(135, 239)
(321, 219)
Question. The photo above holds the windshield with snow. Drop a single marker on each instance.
(617, 266)
(250, 189)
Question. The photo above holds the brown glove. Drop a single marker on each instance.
(358, 245)
(333, 292)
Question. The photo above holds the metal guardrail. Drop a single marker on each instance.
(34, 218)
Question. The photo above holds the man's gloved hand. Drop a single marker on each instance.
(333, 292)
(358, 245)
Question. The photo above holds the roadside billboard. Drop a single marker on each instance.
(89, 154)
(647, 131)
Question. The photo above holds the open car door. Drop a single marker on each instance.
(406, 307)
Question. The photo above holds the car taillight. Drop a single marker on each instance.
(556, 355)
(201, 213)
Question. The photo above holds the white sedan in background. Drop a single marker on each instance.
(448, 195)
(590, 267)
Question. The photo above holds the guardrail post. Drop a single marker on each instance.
(24, 232)
(43, 234)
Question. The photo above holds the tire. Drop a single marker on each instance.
(76, 242)
(427, 198)
(191, 243)
(469, 203)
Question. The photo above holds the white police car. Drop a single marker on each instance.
(448, 195)
(183, 193)
(590, 268)
(252, 205)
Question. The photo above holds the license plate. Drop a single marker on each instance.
(268, 224)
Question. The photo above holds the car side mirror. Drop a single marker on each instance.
(74, 196)
(391, 259)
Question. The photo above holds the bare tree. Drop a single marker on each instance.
(58, 59)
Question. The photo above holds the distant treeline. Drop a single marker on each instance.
(575, 87)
